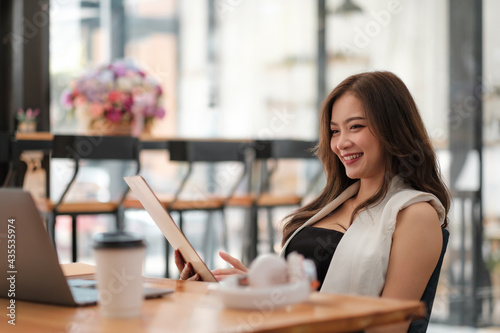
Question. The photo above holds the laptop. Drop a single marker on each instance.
(167, 225)
(29, 266)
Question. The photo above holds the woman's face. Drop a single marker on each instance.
(353, 141)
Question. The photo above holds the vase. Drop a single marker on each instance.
(104, 127)
(147, 128)
(26, 127)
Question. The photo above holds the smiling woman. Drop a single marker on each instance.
(388, 205)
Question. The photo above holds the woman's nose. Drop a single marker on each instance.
(343, 142)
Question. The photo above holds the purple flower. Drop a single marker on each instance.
(29, 115)
(66, 99)
(159, 90)
(128, 103)
(119, 69)
(160, 112)
(114, 115)
(149, 111)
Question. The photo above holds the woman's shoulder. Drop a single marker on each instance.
(419, 223)
(421, 212)
(403, 196)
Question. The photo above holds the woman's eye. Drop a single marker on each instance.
(357, 126)
(334, 131)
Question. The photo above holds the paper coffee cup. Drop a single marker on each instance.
(119, 258)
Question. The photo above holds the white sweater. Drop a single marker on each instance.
(359, 264)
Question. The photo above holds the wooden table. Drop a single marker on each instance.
(194, 307)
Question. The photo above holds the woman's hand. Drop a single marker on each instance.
(238, 267)
(185, 268)
(187, 273)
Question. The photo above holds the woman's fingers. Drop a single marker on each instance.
(227, 271)
(185, 269)
(195, 277)
(220, 277)
(233, 261)
(179, 261)
(187, 272)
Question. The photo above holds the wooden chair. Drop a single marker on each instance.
(79, 149)
(211, 154)
(269, 154)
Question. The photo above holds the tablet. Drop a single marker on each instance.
(167, 225)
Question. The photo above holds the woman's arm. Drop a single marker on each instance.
(415, 251)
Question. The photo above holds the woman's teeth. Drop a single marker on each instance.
(350, 157)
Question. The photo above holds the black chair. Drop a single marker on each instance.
(9, 158)
(420, 325)
(269, 154)
(79, 149)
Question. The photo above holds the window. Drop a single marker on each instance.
(86, 34)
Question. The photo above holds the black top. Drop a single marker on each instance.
(317, 244)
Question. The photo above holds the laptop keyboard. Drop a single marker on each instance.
(84, 291)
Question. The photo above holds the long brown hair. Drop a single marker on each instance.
(393, 117)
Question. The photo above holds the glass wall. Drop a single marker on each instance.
(258, 61)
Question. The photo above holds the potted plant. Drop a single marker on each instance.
(26, 120)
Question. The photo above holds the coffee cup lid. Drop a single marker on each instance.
(109, 240)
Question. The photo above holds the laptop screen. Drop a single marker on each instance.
(32, 271)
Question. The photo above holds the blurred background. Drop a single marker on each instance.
(259, 69)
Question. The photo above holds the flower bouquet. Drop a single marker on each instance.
(118, 98)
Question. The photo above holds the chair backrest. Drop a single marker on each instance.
(5, 147)
(8, 156)
(95, 147)
(79, 147)
(208, 150)
(284, 149)
(429, 294)
(211, 151)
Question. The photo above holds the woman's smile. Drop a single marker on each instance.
(352, 158)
